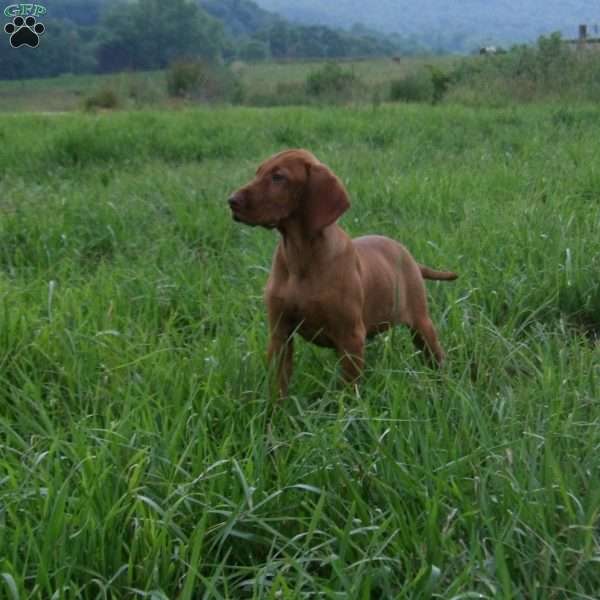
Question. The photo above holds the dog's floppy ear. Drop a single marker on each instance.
(326, 199)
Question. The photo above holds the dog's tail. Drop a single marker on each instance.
(428, 273)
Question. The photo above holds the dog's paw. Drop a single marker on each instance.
(24, 32)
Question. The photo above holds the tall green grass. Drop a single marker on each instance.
(140, 452)
(253, 84)
(549, 71)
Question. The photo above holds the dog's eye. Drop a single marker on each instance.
(277, 178)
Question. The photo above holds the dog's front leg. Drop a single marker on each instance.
(352, 351)
(280, 354)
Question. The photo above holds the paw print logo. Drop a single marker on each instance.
(24, 32)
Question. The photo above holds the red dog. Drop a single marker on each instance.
(333, 290)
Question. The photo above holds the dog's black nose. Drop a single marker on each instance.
(234, 202)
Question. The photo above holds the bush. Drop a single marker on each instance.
(185, 78)
(415, 87)
(104, 97)
(143, 91)
(528, 73)
(440, 81)
(331, 81)
(201, 80)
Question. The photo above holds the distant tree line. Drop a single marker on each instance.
(88, 36)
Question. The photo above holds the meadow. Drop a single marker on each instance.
(263, 83)
(141, 454)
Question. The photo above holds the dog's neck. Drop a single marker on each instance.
(304, 253)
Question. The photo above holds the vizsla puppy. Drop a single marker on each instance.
(331, 289)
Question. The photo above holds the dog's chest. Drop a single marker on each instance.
(306, 310)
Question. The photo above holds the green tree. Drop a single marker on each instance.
(239, 17)
(149, 34)
(63, 48)
(254, 50)
(279, 39)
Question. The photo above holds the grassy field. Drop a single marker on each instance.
(140, 453)
(259, 81)
(68, 92)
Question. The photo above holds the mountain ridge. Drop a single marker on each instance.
(476, 20)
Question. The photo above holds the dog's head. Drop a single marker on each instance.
(291, 185)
